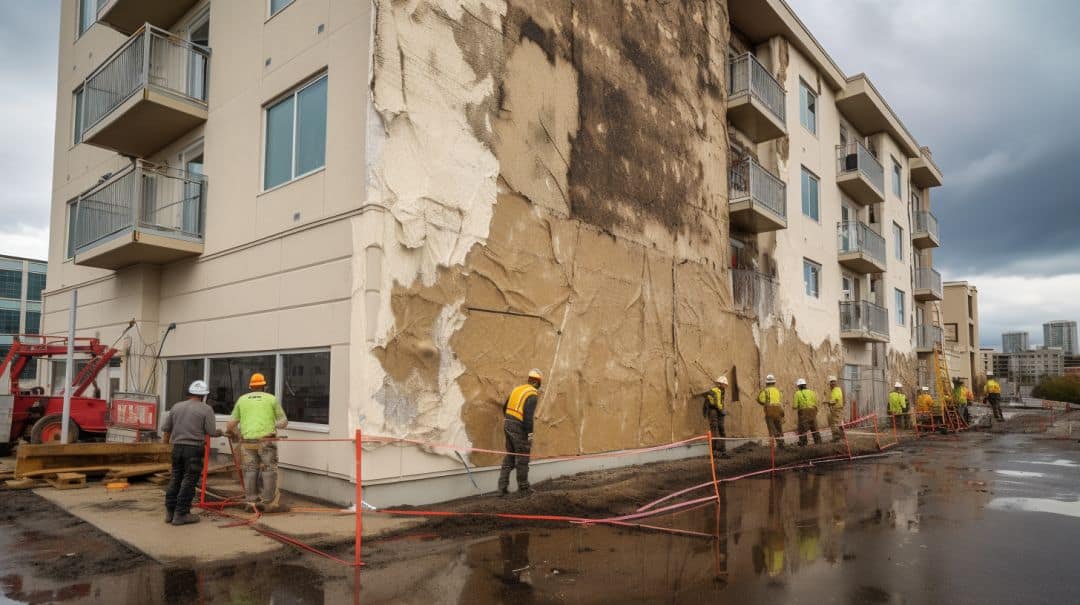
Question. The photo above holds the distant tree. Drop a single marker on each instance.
(1058, 388)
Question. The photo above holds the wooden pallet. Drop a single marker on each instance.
(67, 481)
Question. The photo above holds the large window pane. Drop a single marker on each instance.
(10, 284)
(9, 321)
(72, 214)
(311, 128)
(229, 378)
(279, 132)
(306, 387)
(277, 5)
(810, 194)
(33, 322)
(180, 374)
(58, 371)
(87, 14)
(35, 283)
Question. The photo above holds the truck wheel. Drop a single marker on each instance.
(47, 430)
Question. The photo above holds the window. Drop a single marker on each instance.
(807, 107)
(810, 194)
(896, 188)
(87, 14)
(898, 241)
(812, 278)
(305, 389)
(77, 105)
(10, 284)
(35, 283)
(9, 321)
(72, 210)
(33, 322)
(277, 5)
(900, 307)
(229, 378)
(296, 134)
(180, 373)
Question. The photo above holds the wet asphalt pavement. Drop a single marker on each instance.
(971, 519)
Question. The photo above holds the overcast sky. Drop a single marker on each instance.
(989, 85)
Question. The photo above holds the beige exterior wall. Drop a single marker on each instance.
(961, 307)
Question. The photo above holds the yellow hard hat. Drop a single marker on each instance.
(257, 380)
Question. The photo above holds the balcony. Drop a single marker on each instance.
(147, 94)
(755, 100)
(860, 248)
(144, 214)
(924, 172)
(864, 321)
(927, 337)
(927, 285)
(126, 16)
(758, 199)
(925, 233)
(859, 174)
(753, 292)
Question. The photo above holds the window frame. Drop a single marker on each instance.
(81, 5)
(815, 269)
(69, 241)
(271, 13)
(898, 244)
(293, 93)
(806, 172)
(898, 178)
(76, 115)
(278, 380)
(804, 109)
(900, 299)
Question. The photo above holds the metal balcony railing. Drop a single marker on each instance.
(150, 57)
(927, 336)
(750, 180)
(748, 75)
(754, 292)
(855, 236)
(144, 196)
(864, 316)
(926, 222)
(928, 279)
(854, 156)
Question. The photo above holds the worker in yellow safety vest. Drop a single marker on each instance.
(960, 399)
(993, 396)
(805, 404)
(772, 400)
(713, 410)
(897, 404)
(518, 427)
(924, 402)
(836, 409)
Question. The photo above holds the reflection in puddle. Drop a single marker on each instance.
(1037, 505)
(1019, 474)
(1060, 462)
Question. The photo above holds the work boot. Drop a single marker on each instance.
(502, 493)
(187, 519)
(168, 515)
(525, 492)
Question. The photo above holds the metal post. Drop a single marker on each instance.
(66, 417)
(359, 499)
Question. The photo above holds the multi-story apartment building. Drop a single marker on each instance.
(396, 209)
(986, 359)
(1014, 342)
(1061, 334)
(1027, 368)
(960, 314)
(21, 283)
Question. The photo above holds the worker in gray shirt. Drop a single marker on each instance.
(186, 427)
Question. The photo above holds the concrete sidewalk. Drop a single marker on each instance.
(135, 517)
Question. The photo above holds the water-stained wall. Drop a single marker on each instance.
(552, 177)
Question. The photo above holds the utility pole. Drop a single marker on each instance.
(66, 417)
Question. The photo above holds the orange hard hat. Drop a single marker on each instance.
(257, 380)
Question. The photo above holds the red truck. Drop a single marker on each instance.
(34, 414)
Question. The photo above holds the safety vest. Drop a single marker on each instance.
(993, 387)
(837, 397)
(897, 402)
(924, 402)
(770, 396)
(715, 398)
(805, 399)
(958, 396)
(515, 406)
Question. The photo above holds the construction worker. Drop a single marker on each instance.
(186, 427)
(772, 400)
(836, 409)
(713, 409)
(518, 427)
(805, 403)
(258, 416)
(960, 399)
(897, 404)
(924, 402)
(993, 396)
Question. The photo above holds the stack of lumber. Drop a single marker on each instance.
(66, 466)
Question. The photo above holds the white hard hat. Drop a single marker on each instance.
(897, 385)
(722, 380)
(537, 374)
(800, 382)
(832, 378)
(989, 374)
(199, 388)
(924, 388)
(769, 378)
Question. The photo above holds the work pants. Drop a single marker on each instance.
(836, 418)
(995, 405)
(716, 425)
(965, 412)
(187, 463)
(260, 466)
(517, 442)
(808, 424)
(775, 423)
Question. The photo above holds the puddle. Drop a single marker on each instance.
(1019, 474)
(1036, 505)
(1061, 462)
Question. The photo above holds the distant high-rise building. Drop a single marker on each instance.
(1014, 342)
(21, 283)
(1062, 334)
